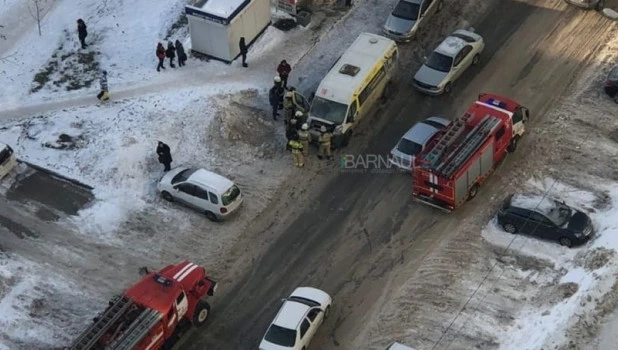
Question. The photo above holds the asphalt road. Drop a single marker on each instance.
(364, 225)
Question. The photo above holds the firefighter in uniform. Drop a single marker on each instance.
(324, 141)
(280, 90)
(297, 152)
(289, 108)
(304, 137)
(297, 119)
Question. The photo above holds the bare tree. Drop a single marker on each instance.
(36, 11)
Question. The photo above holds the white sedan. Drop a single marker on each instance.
(448, 61)
(297, 321)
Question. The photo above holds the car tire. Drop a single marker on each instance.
(388, 91)
(476, 59)
(211, 216)
(202, 311)
(566, 242)
(510, 228)
(326, 312)
(473, 191)
(346, 138)
(513, 145)
(600, 5)
(167, 196)
(447, 88)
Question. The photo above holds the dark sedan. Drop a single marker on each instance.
(545, 218)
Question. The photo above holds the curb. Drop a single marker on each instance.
(56, 174)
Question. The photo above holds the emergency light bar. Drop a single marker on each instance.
(162, 280)
(496, 103)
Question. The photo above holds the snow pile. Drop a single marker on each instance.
(589, 272)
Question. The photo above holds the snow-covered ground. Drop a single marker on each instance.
(211, 114)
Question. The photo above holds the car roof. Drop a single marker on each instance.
(207, 178)
(450, 46)
(291, 314)
(538, 203)
(398, 346)
(420, 132)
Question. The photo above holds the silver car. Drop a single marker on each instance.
(414, 141)
(408, 16)
(448, 61)
(587, 4)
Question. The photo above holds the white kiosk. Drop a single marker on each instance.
(216, 26)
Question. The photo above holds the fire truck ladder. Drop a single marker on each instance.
(90, 336)
(137, 330)
(472, 142)
(451, 134)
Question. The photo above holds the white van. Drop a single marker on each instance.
(7, 160)
(358, 80)
(212, 194)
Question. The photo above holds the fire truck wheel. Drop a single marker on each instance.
(447, 88)
(565, 242)
(473, 191)
(202, 310)
(513, 145)
(168, 197)
(476, 59)
(510, 228)
(211, 216)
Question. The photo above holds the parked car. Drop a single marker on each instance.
(611, 83)
(448, 61)
(414, 140)
(297, 321)
(398, 346)
(214, 195)
(8, 161)
(545, 218)
(587, 4)
(408, 16)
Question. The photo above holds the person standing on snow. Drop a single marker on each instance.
(104, 94)
(304, 137)
(171, 53)
(165, 155)
(273, 99)
(284, 70)
(243, 51)
(297, 152)
(82, 33)
(280, 91)
(324, 141)
(180, 52)
(160, 56)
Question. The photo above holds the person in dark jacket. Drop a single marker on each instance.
(180, 52)
(165, 155)
(284, 70)
(82, 32)
(160, 56)
(104, 94)
(273, 99)
(243, 51)
(171, 53)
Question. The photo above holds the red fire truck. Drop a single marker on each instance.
(455, 163)
(154, 312)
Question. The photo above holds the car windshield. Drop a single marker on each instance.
(183, 176)
(281, 336)
(406, 10)
(559, 213)
(408, 147)
(328, 110)
(439, 62)
(231, 194)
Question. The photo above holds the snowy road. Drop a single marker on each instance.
(362, 237)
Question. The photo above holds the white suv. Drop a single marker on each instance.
(298, 319)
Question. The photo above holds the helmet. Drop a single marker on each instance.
(298, 114)
(277, 79)
(288, 94)
(305, 127)
(323, 128)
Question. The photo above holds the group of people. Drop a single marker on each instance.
(171, 52)
(297, 130)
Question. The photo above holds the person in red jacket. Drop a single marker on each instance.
(160, 56)
(284, 70)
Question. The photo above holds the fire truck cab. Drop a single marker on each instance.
(463, 155)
